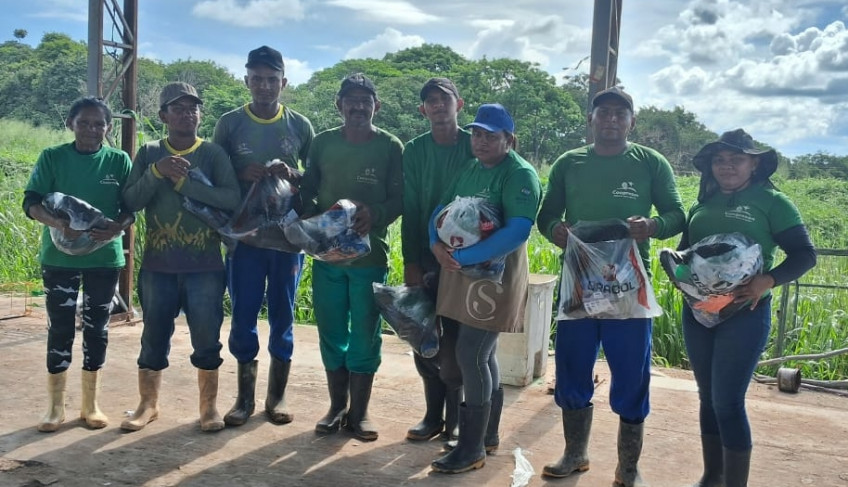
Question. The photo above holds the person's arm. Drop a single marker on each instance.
(224, 193)
(384, 213)
(412, 241)
(800, 255)
(501, 242)
(671, 217)
(552, 211)
(310, 183)
(142, 183)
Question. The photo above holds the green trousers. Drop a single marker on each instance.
(347, 315)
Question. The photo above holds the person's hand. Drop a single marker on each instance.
(110, 231)
(253, 172)
(362, 219)
(642, 228)
(560, 234)
(412, 275)
(68, 232)
(444, 255)
(173, 167)
(283, 171)
(754, 290)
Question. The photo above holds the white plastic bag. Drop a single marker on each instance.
(467, 221)
(329, 236)
(523, 470)
(82, 217)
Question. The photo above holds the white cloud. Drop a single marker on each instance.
(387, 11)
(253, 13)
(298, 71)
(63, 10)
(390, 40)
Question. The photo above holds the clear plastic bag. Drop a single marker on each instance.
(709, 271)
(266, 209)
(214, 217)
(465, 222)
(329, 236)
(603, 275)
(82, 217)
(411, 313)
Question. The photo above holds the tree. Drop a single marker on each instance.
(676, 134)
(20, 33)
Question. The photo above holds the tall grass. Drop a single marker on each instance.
(816, 321)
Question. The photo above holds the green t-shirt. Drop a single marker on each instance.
(513, 186)
(370, 173)
(176, 241)
(429, 169)
(98, 179)
(249, 139)
(585, 186)
(757, 212)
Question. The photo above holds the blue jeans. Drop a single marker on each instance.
(347, 315)
(248, 270)
(627, 348)
(201, 296)
(723, 359)
(61, 288)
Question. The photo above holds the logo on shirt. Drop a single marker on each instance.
(626, 190)
(367, 176)
(289, 146)
(110, 179)
(480, 300)
(741, 212)
(242, 149)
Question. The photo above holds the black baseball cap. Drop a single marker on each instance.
(356, 80)
(614, 92)
(267, 56)
(443, 84)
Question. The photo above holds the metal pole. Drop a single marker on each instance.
(95, 48)
(128, 140)
(606, 27)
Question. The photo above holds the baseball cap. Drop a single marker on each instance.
(267, 56)
(614, 92)
(356, 80)
(493, 117)
(443, 84)
(174, 91)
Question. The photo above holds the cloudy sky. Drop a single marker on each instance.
(778, 68)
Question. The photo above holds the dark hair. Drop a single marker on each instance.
(90, 102)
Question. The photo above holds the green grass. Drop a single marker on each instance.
(818, 322)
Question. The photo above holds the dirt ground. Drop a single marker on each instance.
(800, 439)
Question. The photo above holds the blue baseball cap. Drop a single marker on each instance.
(493, 117)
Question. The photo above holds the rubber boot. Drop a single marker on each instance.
(736, 467)
(207, 381)
(246, 401)
(56, 385)
(576, 427)
(149, 382)
(90, 412)
(492, 439)
(469, 453)
(432, 424)
(629, 450)
(275, 399)
(357, 421)
(713, 463)
(337, 382)
(453, 398)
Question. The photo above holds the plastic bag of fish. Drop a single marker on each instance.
(82, 217)
(329, 236)
(214, 217)
(465, 222)
(411, 312)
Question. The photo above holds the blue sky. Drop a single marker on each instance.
(778, 68)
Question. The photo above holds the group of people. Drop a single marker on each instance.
(183, 268)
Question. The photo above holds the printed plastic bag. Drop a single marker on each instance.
(214, 217)
(411, 313)
(267, 207)
(465, 222)
(329, 236)
(82, 216)
(709, 271)
(603, 276)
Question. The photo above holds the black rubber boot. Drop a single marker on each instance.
(357, 421)
(713, 462)
(629, 451)
(275, 399)
(453, 398)
(469, 453)
(736, 467)
(432, 424)
(492, 439)
(337, 383)
(576, 426)
(245, 402)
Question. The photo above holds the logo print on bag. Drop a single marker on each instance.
(627, 190)
(479, 300)
(608, 272)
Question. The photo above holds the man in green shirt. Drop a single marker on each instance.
(430, 163)
(362, 163)
(610, 179)
(252, 135)
(182, 267)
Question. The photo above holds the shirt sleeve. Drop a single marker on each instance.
(553, 202)
(411, 239)
(670, 214)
